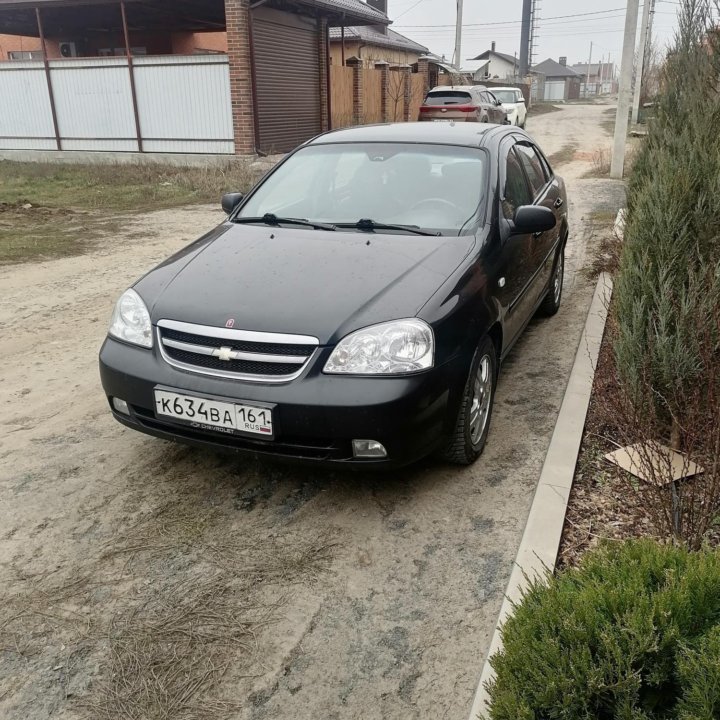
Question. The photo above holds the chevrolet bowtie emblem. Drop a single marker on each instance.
(224, 353)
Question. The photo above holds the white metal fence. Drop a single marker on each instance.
(183, 104)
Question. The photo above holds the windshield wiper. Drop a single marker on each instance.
(370, 225)
(272, 219)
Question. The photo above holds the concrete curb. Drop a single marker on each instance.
(540, 542)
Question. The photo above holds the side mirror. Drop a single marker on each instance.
(533, 219)
(230, 201)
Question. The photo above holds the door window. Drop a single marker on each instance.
(533, 167)
(516, 191)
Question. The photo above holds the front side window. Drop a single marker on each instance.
(533, 167)
(435, 187)
(517, 192)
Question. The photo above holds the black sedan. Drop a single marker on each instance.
(355, 306)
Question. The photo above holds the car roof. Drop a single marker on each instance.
(464, 88)
(440, 133)
(509, 87)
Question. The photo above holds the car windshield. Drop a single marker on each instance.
(435, 187)
(505, 96)
(448, 97)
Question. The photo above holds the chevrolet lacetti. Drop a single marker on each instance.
(355, 306)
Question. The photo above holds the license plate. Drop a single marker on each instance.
(205, 414)
(442, 119)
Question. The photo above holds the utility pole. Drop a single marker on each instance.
(458, 35)
(601, 72)
(617, 164)
(525, 37)
(587, 77)
(642, 49)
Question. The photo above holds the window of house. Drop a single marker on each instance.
(24, 55)
(533, 167)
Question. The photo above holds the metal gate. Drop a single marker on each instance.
(554, 90)
(287, 79)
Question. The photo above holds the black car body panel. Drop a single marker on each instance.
(327, 283)
(486, 281)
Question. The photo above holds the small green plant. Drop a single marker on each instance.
(633, 633)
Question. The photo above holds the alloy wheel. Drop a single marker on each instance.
(558, 277)
(482, 396)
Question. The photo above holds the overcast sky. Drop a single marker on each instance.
(432, 23)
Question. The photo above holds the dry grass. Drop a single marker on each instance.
(562, 156)
(161, 623)
(121, 187)
(607, 245)
(542, 108)
(50, 210)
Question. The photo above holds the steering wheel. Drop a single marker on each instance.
(439, 202)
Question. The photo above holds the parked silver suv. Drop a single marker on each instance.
(462, 103)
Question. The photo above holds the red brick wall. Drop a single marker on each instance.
(188, 43)
(237, 24)
(10, 43)
(323, 55)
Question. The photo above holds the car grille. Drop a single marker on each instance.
(226, 352)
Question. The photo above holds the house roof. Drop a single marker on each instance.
(550, 68)
(372, 36)
(17, 17)
(508, 58)
(582, 68)
(355, 11)
(474, 66)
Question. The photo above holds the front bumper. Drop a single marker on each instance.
(316, 416)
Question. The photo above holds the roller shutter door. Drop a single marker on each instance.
(554, 90)
(287, 79)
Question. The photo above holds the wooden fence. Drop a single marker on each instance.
(386, 95)
(341, 95)
(372, 90)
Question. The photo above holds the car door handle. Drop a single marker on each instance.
(559, 203)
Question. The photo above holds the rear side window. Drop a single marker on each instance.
(534, 167)
(516, 191)
(448, 97)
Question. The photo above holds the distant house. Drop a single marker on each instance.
(492, 64)
(373, 44)
(599, 77)
(560, 81)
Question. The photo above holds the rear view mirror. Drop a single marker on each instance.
(230, 201)
(534, 219)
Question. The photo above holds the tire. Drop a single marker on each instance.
(468, 437)
(551, 303)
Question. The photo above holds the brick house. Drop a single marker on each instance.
(275, 57)
(373, 44)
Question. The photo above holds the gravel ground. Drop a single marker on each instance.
(140, 579)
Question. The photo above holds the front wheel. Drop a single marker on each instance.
(473, 421)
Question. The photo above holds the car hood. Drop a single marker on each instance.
(301, 281)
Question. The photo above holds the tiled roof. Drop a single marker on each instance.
(486, 56)
(372, 36)
(356, 10)
(550, 68)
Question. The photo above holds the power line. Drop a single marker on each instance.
(412, 7)
(516, 22)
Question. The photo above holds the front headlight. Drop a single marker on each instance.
(392, 348)
(131, 320)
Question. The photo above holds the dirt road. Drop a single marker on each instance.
(139, 579)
